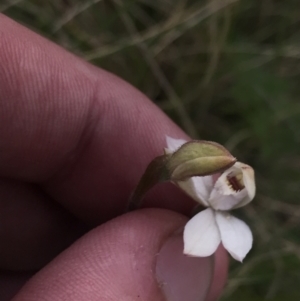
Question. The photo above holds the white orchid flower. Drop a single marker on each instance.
(234, 188)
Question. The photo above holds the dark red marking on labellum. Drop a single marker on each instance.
(236, 183)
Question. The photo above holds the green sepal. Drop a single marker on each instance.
(194, 158)
(199, 158)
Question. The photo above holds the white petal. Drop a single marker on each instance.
(224, 197)
(236, 236)
(173, 144)
(197, 188)
(220, 201)
(201, 235)
(249, 182)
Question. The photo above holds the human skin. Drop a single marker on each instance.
(74, 141)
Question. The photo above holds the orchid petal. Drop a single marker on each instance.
(249, 182)
(173, 144)
(236, 236)
(225, 197)
(201, 234)
(226, 202)
(198, 188)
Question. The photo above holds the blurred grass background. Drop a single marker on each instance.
(224, 70)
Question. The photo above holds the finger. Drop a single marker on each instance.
(11, 283)
(137, 256)
(33, 229)
(221, 262)
(83, 133)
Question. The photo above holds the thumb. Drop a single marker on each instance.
(137, 256)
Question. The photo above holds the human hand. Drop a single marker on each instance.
(74, 141)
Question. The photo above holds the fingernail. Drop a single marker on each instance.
(181, 277)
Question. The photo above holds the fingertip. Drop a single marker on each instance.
(221, 263)
(182, 277)
(133, 255)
